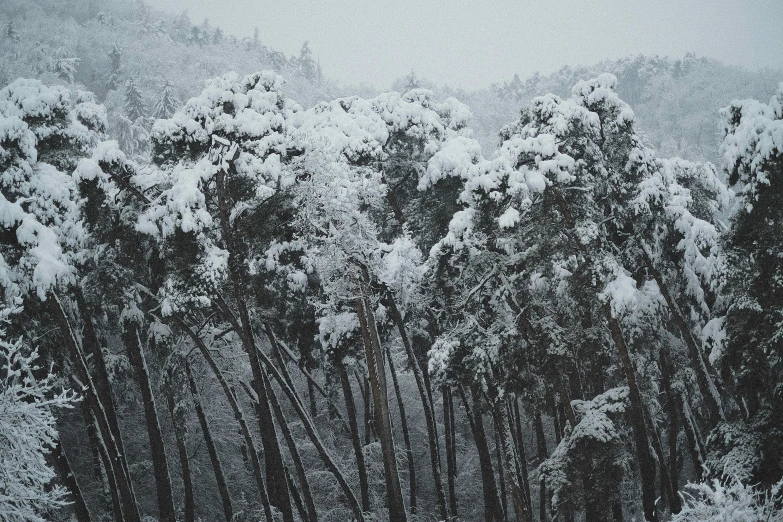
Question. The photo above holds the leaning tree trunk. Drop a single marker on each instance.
(255, 461)
(543, 454)
(426, 400)
(374, 357)
(493, 511)
(100, 377)
(350, 407)
(405, 433)
(647, 469)
(451, 450)
(309, 427)
(279, 495)
(220, 478)
(184, 461)
(701, 366)
(508, 457)
(98, 408)
(63, 469)
(304, 484)
(521, 453)
(135, 351)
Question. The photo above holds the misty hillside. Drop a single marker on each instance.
(235, 288)
(101, 44)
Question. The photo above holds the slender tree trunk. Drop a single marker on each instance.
(427, 406)
(255, 461)
(508, 457)
(220, 478)
(112, 489)
(115, 455)
(304, 484)
(63, 469)
(493, 511)
(369, 423)
(377, 376)
(701, 366)
(543, 454)
(100, 376)
(350, 407)
(670, 405)
(405, 433)
(520, 444)
(501, 474)
(309, 427)
(184, 461)
(279, 495)
(135, 351)
(451, 450)
(646, 463)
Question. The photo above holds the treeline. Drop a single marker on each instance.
(348, 312)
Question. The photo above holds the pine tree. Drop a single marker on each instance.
(168, 103)
(134, 104)
(115, 55)
(10, 31)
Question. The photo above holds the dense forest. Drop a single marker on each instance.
(235, 289)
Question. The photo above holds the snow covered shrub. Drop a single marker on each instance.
(731, 501)
(27, 434)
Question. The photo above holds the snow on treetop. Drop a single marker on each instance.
(754, 138)
(44, 130)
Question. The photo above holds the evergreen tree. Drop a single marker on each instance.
(134, 104)
(115, 55)
(168, 103)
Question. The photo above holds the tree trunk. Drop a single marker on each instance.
(304, 484)
(100, 376)
(63, 469)
(278, 489)
(543, 454)
(508, 456)
(350, 407)
(135, 351)
(520, 445)
(451, 450)
(427, 406)
(501, 474)
(309, 427)
(670, 404)
(701, 366)
(184, 461)
(96, 405)
(646, 462)
(493, 511)
(405, 433)
(255, 461)
(225, 498)
(377, 375)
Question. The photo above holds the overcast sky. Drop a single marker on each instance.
(472, 44)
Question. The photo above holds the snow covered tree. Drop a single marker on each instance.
(168, 103)
(28, 434)
(115, 57)
(747, 342)
(134, 102)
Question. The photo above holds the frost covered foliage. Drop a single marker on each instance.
(750, 328)
(198, 192)
(588, 461)
(731, 501)
(28, 433)
(43, 132)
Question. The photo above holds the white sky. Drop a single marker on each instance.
(472, 44)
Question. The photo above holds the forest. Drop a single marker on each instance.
(236, 289)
